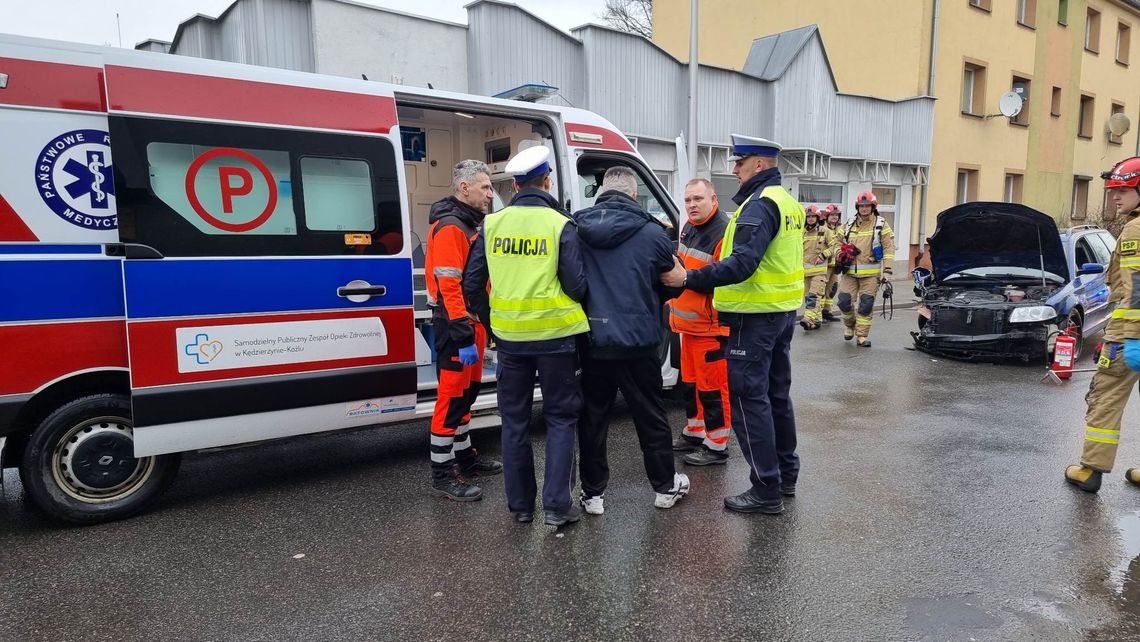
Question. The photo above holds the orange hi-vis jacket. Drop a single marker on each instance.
(692, 312)
(454, 227)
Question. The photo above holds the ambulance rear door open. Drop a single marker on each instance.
(267, 271)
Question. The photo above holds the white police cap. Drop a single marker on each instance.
(745, 146)
(531, 162)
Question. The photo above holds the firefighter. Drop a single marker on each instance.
(757, 284)
(529, 252)
(871, 252)
(819, 247)
(704, 372)
(1118, 368)
(459, 339)
(833, 216)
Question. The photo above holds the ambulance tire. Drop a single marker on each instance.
(79, 466)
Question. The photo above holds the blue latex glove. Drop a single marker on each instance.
(469, 356)
(1132, 354)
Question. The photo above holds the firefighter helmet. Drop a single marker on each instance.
(832, 209)
(1126, 173)
(811, 210)
(867, 198)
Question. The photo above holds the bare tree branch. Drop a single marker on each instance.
(631, 16)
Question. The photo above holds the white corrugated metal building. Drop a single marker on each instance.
(835, 145)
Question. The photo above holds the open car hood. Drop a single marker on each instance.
(996, 235)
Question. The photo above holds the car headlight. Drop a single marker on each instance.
(1032, 314)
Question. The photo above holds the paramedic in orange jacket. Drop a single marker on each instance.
(459, 339)
(704, 372)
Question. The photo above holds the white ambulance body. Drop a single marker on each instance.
(197, 254)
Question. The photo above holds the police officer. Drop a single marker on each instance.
(704, 373)
(1118, 368)
(459, 339)
(833, 216)
(874, 243)
(757, 287)
(819, 245)
(529, 251)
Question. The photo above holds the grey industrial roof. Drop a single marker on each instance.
(771, 56)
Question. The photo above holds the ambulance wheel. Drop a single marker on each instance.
(79, 464)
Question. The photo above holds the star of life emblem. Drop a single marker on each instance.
(74, 179)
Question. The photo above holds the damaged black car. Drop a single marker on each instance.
(1006, 281)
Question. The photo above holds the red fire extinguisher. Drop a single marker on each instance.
(1064, 353)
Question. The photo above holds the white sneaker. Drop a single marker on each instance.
(593, 505)
(680, 489)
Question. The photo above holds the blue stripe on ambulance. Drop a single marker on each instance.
(207, 287)
(46, 290)
(38, 248)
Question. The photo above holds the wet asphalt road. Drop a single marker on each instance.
(931, 506)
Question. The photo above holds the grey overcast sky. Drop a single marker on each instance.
(93, 21)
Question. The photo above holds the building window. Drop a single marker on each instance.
(1092, 30)
(984, 5)
(1085, 124)
(1063, 13)
(821, 193)
(1013, 187)
(1027, 13)
(1080, 197)
(888, 202)
(1021, 86)
(967, 185)
(1117, 108)
(1123, 42)
(1055, 104)
(973, 89)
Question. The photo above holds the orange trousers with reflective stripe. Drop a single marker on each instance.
(704, 375)
(458, 390)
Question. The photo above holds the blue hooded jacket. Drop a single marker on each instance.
(624, 250)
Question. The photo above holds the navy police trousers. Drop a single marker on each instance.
(759, 387)
(558, 378)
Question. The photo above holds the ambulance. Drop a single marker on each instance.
(198, 254)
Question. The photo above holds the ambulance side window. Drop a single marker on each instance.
(338, 194)
(591, 170)
(205, 189)
(229, 190)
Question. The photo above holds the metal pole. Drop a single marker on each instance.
(119, 26)
(930, 92)
(693, 29)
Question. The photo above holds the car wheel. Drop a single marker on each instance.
(79, 464)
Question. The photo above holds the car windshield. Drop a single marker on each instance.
(1005, 271)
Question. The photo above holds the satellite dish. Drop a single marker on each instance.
(1010, 104)
(1118, 124)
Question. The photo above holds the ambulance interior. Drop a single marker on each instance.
(435, 139)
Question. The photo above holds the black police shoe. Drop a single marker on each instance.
(558, 519)
(455, 488)
(788, 490)
(523, 516)
(480, 466)
(705, 457)
(686, 444)
(747, 502)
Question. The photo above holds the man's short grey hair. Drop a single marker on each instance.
(465, 172)
(621, 179)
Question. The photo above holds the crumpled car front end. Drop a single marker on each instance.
(987, 322)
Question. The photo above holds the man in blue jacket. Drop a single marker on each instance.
(625, 251)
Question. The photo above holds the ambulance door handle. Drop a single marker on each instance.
(360, 291)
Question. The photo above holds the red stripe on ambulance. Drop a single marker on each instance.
(158, 341)
(593, 137)
(12, 227)
(51, 84)
(48, 351)
(179, 94)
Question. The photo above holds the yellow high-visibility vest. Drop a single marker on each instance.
(777, 285)
(527, 300)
